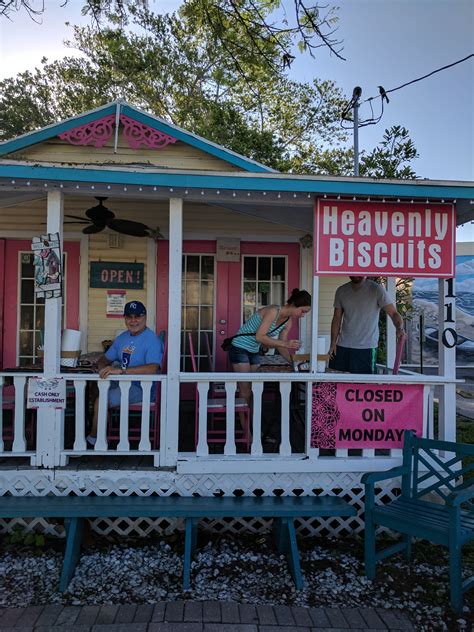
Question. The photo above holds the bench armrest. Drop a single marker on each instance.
(371, 477)
(456, 498)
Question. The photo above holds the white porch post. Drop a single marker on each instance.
(151, 284)
(312, 452)
(391, 338)
(447, 339)
(314, 324)
(169, 451)
(306, 282)
(50, 433)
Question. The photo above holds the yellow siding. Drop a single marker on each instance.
(177, 156)
(199, 219)
(200, 222)
(30, 216)
(99, 326)
(221, 222)
(327, 289)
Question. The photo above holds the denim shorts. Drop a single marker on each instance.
(237, 355)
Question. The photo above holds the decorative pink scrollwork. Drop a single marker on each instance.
(324, 416)
(95, 133)
(138, 134)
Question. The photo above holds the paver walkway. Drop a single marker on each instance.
(198, 616)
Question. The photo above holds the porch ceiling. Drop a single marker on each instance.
(274, 197)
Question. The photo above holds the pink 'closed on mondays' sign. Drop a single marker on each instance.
(365, 415)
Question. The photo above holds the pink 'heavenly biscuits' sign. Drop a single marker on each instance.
(364, 415)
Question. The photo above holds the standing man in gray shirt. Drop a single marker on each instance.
(355, 325)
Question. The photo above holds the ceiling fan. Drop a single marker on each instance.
(100, 217)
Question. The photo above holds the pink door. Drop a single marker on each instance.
(2, 294)
(219, 295)
(23, 313)
(265, 275)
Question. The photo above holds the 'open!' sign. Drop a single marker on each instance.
(127, 276)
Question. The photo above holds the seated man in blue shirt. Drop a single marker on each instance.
(137, 351)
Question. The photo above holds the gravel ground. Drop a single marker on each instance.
(246, 570)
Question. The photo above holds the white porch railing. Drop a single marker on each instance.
(310, 459)
(22, 432)
(13, 420)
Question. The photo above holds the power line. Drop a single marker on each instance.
(355, 103)
(408, 83)
(374, 120)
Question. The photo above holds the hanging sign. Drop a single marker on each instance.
(46, 392)
(364, 415)
(115, 303)
(126, 276)
(48, 265)
(228, 249)
(384, 239)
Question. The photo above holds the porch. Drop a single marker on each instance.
(149, 437)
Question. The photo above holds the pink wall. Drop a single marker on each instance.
(2, 294)
(9, 295)
(228, 300)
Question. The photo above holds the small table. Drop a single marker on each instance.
(274, 363)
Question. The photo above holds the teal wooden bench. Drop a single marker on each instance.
(449, 522)
(76, 509)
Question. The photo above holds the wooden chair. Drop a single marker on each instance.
(164, 362)
(216, 389)
(8, 429)
(436, 503)
(135, 411)
(216, 409)
(210, 355)
(134, 422)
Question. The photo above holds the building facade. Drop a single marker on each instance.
(223, 235)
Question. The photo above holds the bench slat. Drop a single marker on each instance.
(172, 506)
(413, 514)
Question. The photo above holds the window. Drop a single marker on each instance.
(31, 310)
(197, 310)
(264, 283)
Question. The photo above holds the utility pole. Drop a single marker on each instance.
(356, 94)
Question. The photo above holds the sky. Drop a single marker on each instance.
(385, 42)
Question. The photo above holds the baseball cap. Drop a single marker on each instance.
(135, 308)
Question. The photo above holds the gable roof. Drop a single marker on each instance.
(120, 107)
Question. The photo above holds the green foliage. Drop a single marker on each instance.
(179, 67)
(20, 538)
(392, 156)
(404, 307)
(248, 29)
(174, 67)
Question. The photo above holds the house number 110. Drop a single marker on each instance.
(449, 337)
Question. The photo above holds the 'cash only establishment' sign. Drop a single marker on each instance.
(384, 239)
(44, 392)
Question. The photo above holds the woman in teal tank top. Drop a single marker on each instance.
(268, 327)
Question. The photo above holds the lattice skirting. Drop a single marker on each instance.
(65, 483)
